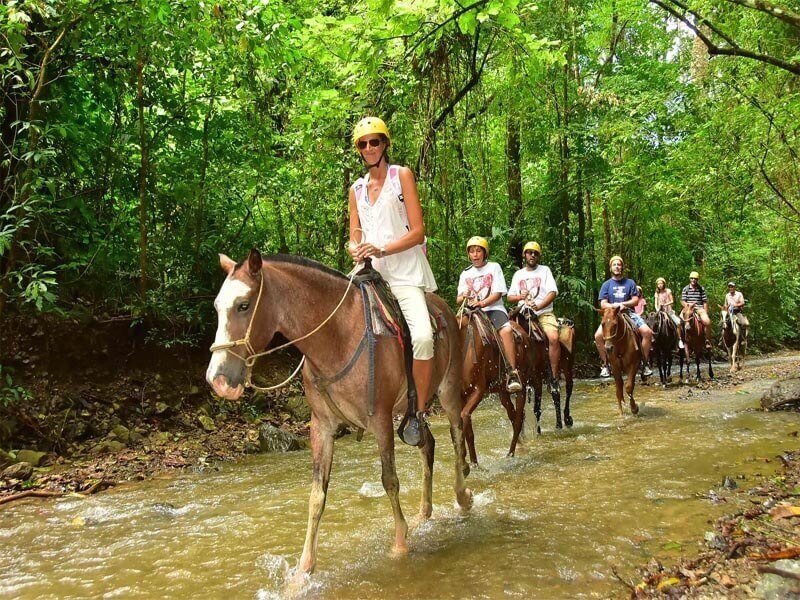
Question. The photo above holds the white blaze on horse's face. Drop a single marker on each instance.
(232, 293)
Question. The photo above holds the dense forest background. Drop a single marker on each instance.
(139, 138)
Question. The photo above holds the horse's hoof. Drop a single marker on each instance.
(296, 584)
(400, 550)
(559, 426)
(568, 420)
(465, 499)
(538, 430)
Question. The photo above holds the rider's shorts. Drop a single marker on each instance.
(637, 320)
(498, 317)
(548, 320)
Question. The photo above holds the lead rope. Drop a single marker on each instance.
(249, 362)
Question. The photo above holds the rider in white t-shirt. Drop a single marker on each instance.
(483, 285)
(534, 286)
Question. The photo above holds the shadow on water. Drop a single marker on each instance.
(551, 522)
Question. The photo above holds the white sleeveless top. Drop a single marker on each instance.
(385, 221)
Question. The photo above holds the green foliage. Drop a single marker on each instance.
(11, 394)
(166, 131)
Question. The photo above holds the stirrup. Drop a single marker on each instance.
(410, 429)
(513, 384)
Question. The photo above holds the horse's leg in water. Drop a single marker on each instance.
(631, 382)
(616, 369)
(710, 368)
(322, 457)
(385, 437)
(450, 399)
(537, 398)
(519, 418)
(566, 369)
(505, 400)
(555, 393)
(471, 403)
(426, 451)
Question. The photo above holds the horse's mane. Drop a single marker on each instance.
(304, 262)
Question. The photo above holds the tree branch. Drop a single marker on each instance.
(783, 14)
(713, 49)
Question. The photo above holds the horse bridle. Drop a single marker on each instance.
(250, 360)
(616, 328)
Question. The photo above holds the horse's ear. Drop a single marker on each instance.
(254, 262)
(227, 264)
(600, 310)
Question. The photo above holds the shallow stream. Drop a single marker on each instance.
(551, 523)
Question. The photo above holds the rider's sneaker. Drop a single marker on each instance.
(604, 372)
(412, 432)
(680, 344)
(647, 371)
(514, 384)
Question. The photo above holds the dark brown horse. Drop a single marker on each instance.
(734, 337)
(483, 373)
(542, 371)
(624, 353)
(294, 297)
(695, 345)
(665, 339)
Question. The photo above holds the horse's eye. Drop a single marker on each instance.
(243, 306)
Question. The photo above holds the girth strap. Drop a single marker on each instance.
(370, 278)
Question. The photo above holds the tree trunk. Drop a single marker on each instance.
(144, 169)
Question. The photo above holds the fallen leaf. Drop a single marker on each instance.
(783, 511)
(667, 583)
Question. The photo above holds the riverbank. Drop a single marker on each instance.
(753, 550)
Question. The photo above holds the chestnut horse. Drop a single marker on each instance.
(542, 370)
(695, 342)
(734, 338)
(294, 296)
(623, 345)
(665, 338)
(483, 373)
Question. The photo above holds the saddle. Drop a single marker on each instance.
(629, 324)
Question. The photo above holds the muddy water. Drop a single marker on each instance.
(551, 523)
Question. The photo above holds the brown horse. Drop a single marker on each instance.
(695, 345)
(482, 373)
(294, 296)
(624, 352)
(734, 337)
(542, 371)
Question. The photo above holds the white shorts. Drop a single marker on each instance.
(415, 310)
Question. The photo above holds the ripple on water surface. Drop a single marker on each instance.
(549, 523)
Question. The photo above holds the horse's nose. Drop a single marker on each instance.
(608, 347)
(225, 376)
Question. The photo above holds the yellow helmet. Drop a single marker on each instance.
(615, 257)
(533, 247)
(477, 240)
(661, 280)
(694, 275)
(369, 125)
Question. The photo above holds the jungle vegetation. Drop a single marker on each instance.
(139, 138)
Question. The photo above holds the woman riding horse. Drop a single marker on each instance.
(386, 220)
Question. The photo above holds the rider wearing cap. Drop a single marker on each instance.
(483, 285)
(388, 227)
(621, 292)
(734, 302)
(695, 299)
(663, 300)
(535, 287)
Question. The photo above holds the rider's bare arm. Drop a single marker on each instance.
(546, 301)
(489, 300)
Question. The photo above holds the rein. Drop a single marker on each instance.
(249, 361)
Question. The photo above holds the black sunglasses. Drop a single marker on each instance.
(374, 142)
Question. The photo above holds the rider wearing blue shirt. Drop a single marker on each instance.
(621, 291)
